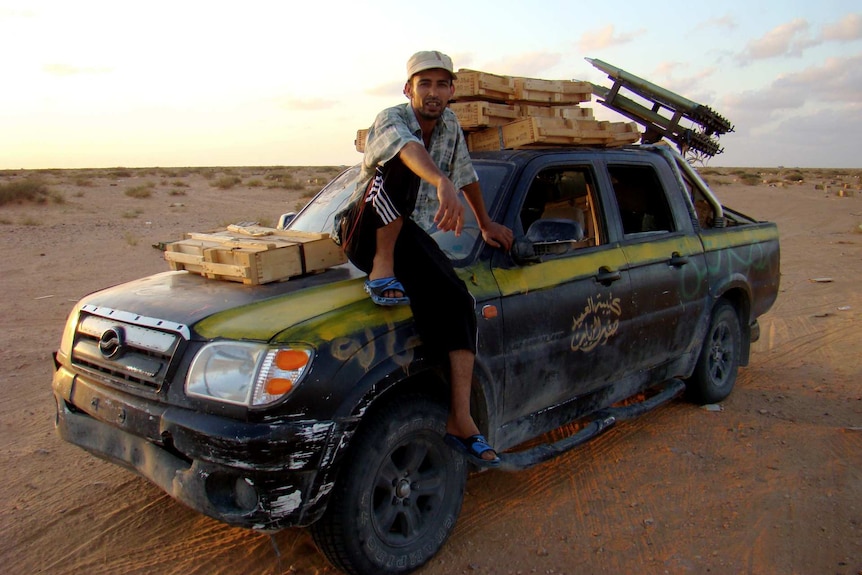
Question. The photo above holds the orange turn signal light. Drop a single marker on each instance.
(290, 359)
(278, 386)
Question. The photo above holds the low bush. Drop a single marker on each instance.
(227, 182)
(29, 190)
(140, 192)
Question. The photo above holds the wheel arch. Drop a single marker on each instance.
(738, 295)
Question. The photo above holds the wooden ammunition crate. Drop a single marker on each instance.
(567, 112)
(474, 85)
(481, 114)
(262, 256)
(552, 91)
(558, 131)
(486, 140)
(542, 132)
(359, 142)
(624, 133)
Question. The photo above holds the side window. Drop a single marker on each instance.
(702, 208)
(564, 194)
(641, 199)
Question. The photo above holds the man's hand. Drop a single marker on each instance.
(450, 214)
(498, 236)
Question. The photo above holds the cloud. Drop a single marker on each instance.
(835, 84)
(528, 64)
(604, 38)
(6, 12)
(387, 90)
(847, 29)
(793, 38)
(836, 80)
(70, 70)
(727, 22)
(309, 104)
(816, 138)
(788, 39)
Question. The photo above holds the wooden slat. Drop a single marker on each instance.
(477, 115)
(552, 91)
(476, 85)
(276, 256)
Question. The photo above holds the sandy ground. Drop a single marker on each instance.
(772, 483)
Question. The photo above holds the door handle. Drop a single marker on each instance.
(677, 260)
(607, 276)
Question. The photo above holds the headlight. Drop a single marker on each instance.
(249, 374)
(68, 338)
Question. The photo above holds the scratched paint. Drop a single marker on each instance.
(286, 504)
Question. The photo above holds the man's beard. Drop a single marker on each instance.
(431, 115)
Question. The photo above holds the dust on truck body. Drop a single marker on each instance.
(301, 403)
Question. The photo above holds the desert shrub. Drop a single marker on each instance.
(794, 176)
(329, 170)
(140, 192)
(283, 179)
(28, 190)
(713, 181)
(750, 179)
(227, 182)
(120, 173)
(255, 183)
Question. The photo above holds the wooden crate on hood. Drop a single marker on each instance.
(264, 256)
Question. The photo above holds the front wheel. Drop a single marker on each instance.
(399, 494)
(716, 369)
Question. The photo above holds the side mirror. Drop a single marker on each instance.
(284, 220)
(546, 238)
(523, 252)
(555, 230)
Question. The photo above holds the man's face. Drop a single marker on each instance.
(429, 93)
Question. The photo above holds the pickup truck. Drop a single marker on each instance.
(301, 403)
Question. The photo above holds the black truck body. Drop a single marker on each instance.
(627, 276)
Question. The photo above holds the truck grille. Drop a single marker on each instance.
(126, 348)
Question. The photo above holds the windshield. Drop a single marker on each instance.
(318, 215)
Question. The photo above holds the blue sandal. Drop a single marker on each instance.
(473, 447)
(376, 289)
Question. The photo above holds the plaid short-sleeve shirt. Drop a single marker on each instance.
(396, 126)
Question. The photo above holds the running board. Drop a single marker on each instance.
(601, 422)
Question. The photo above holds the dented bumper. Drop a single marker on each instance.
(260, 475)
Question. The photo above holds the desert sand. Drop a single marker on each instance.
(770, 483)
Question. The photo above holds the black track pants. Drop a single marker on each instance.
(443, 308)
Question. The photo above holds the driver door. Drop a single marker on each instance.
(565, 316)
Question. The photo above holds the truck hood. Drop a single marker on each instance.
(207, 307)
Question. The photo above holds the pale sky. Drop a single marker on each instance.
(106, 83)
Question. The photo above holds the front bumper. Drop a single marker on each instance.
(250, 474)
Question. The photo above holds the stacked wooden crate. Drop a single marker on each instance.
(503, 112)
(253, 255)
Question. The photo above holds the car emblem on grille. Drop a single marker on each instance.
(112, 343)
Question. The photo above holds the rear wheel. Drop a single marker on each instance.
(398, 495)
(716, 369)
